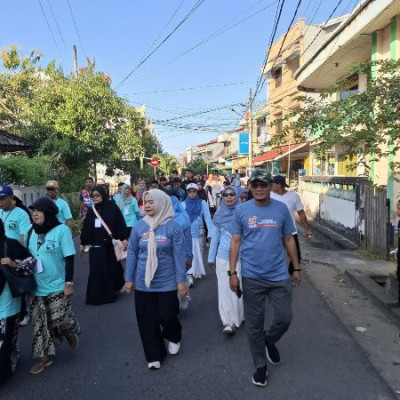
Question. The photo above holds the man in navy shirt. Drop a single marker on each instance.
(262, 228)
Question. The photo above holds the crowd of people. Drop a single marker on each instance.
(164, 226)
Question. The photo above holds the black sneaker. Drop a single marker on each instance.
(272, 353)
(260, 376)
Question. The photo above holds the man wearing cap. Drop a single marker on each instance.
(64, 214)
(257, 229)
(293, 202)
(16, 221)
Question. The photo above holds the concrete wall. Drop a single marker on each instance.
(338, 211)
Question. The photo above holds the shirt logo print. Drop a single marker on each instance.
(252, 222)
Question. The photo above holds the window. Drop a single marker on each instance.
(279, 123)
(353, 87)
(295, 64)
(277, 74)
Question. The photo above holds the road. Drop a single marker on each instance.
(320, 360)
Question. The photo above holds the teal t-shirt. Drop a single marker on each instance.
(262, 228)
(131, 213)
(64, 210)
(57, 245)
(9, 305)
(16, 222)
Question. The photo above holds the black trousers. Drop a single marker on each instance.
(296, 239)
(8, 349)
(157, 318)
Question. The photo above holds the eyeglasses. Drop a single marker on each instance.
(96, 196)
(50, 189)
(261, 185)
(228, 195)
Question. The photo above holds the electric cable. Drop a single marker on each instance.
(76, 26)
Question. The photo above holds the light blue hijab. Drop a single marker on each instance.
(223, 216)
(180, 215)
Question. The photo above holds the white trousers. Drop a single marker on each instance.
(229, 305)
(197, 269)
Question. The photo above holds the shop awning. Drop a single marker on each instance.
(277, 153)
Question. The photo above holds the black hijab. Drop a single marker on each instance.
(104, 197)
(50, 210)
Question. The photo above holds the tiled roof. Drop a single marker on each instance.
(276, 152)
(9, 142)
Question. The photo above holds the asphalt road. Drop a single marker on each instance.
(320, 360)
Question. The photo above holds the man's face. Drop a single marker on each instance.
(6, 202)
(275, 187)
(188, 175)
(89, 184)
(52, 192)
(192, 193)
(260, 190)
(154, 186)
(200, 185)
(177, 185)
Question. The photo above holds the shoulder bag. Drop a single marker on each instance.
(120, 253)
(19, 284)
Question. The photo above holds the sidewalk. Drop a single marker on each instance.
(344, 280)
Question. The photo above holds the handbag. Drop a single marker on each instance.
(19, 284)
(120, 253)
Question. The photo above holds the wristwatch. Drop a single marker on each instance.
(230, 273)
(69, 283)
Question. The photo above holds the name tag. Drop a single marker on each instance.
(97, 223)
(39, 266)
(126, 211)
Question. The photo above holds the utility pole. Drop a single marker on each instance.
(75, 59)
(250, 119)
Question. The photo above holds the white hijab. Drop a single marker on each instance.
(163, 212)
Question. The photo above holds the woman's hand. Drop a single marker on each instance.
(128, 287)
(183, 289)
(124, 245)
(9, 262)
(81, 250)
(68, 291)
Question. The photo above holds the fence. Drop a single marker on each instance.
(351, 207)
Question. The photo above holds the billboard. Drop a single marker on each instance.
(243, 143)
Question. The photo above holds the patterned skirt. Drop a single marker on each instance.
(9, 351)
(52, 319)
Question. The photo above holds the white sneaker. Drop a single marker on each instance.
(154, 365)
(25, 321)
(173, 348)
(189, 279)
(229, 330)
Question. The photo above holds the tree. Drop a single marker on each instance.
(167, 163)
(366, 123)
(198, 166)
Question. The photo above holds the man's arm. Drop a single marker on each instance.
(292, 252)
(304, 222)
(233, 258)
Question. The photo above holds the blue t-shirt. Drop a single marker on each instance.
(57, 245)
(262, 252)
(16, 222)
(64, 211)
(171, 257)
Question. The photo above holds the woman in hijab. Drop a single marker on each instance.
(106, 277)
(129, 207)
(15, 256)
(156, 268)
(230, 306)
(51, 244)
(199, 214)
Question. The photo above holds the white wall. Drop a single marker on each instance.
(311, 204)
(338, 211)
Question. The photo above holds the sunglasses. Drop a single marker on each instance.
(229, 195)
(50, 189)
(256, 185)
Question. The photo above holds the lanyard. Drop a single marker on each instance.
(5, 219)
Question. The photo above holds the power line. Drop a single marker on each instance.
(50, 29)
(229, 25)
(194, 88)
(271, 41)
(56, 22)
(187, 16)
(76, 26)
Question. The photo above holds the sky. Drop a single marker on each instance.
(210, 52)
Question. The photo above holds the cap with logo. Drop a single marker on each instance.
(192, 186)
(262, 175)
(52, 184)
(5, 191)
(280, 180)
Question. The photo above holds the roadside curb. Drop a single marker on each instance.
(376, 294)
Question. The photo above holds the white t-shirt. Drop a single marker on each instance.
(293, 202)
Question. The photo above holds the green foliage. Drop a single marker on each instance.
(365, 123)
(76, 120)
(167, 163)
(24, 171)
(198, 166)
